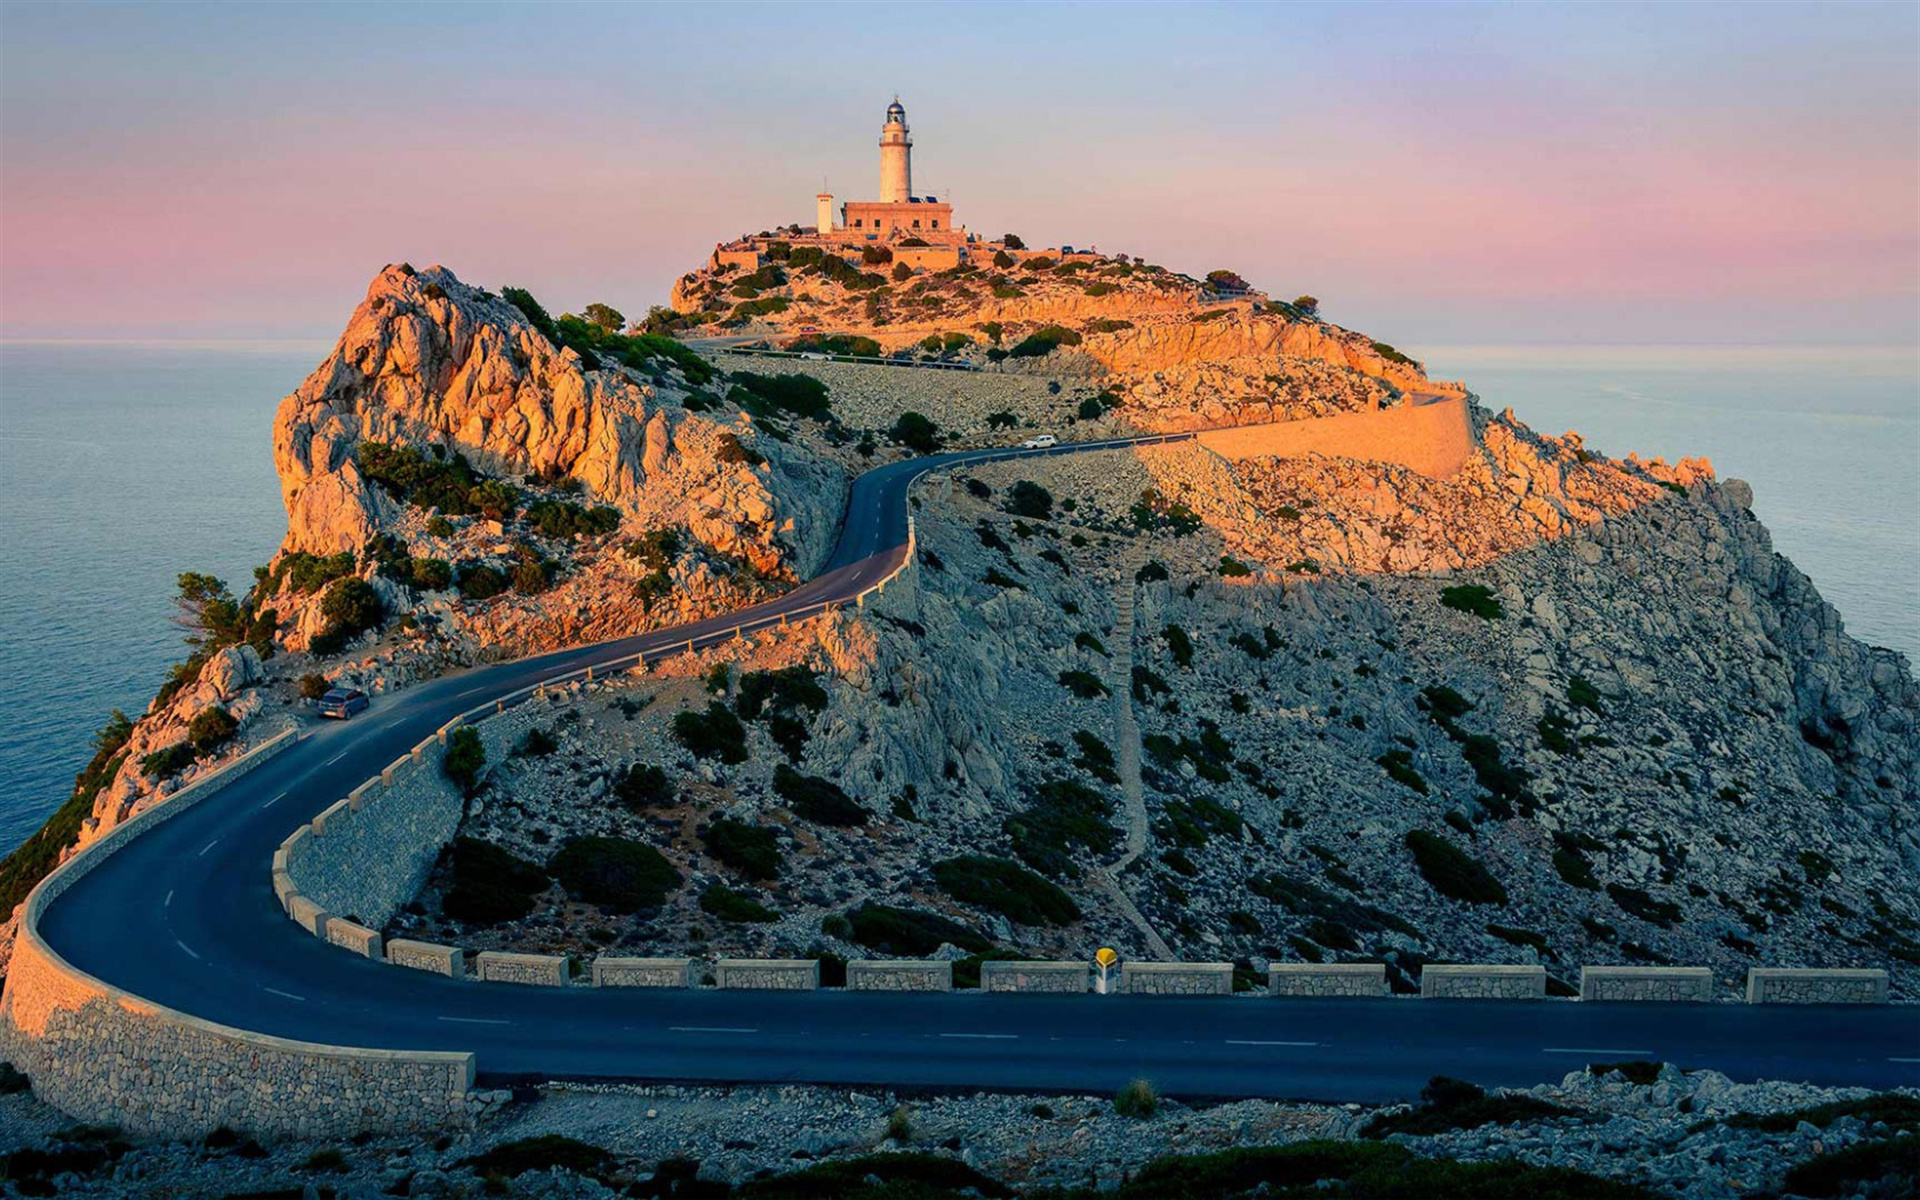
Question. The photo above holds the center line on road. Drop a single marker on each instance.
(274, 801)
(474, 1020)
(210, 845)
(336, 758)
(995, 1037)
(1904, 1060)
(168, 902)
(708, 1029)
(1589, 1050)
(1253, 1042)
(187, 948)
(288, 995)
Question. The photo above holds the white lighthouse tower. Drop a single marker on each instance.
(896, 157)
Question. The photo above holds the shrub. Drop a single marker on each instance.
(537, 743)
(1179, 645)
(314, 685)
(642, 786)
(1064, 813)
(1233, 568)
(1448, 1104)
(1029, 499)
(168, 760)
(729, 905)
(1640, 1071)
(480, 582)
(1007, 888)
(916, 433)
(530, 576)
(1137, 1099)
(617, 873)
(902, 272)
(910, 933)
(1045, 340)
(465, 757)
(327, 1158)
(748, 849)
(1451, 871)
(1638, 903)
(716, 733)
(1474, 599)
(1391, 355)
(733, 450)
(789, 689)
(543, 1153)
(801, 395)
(211, 729)
(490, 885)
(431, 574)
(1582, 694)
(901, 1175)
(351, 606)
(873, 256)
(563, 519)
(1885, 1168)
(1153, 572)
(1084, 684)
(816, 799)
(1357, 1169)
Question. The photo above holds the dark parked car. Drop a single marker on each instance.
(343, 702)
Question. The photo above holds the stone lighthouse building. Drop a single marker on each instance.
(896, 157)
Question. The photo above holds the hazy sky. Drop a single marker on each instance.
(1435, 173)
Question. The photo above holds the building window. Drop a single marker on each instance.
(916, 222)
(936, 222)
(857, 222)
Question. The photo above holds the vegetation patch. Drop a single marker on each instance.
(1304, 899)
(543, 1153)
(748, 849)
(729, 905)
(1636, 902)
(1452, 871)
(1888, 1168)
(617, 873)
(490, 885)
(910, 933)
(816, 799)
(1359, 1169)
(716, 733)
(465, 758)
(1084, 684)
(901, 1175)
(642, 786)
(1473, 599)
(1447, 1104)
(1007, 888)
(1065, 814)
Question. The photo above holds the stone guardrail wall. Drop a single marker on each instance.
(1803, 985)
(102, 1055)
(1343, 980)
(1434, 439)
(899, 975)
(1473, 981)
(646, 972)
(1034, 976)
(767, 974)
(1648, 984)
(1176, 979)
(541, 970)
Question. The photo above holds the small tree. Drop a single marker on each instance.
(902, 272)
(210, 729)
(1137, 1099)
(915, 432)
(208, 612)
(1013, 241)
(313, 685)
(465, 757)
(1227, 280)
(351, 605)
(1003, 260)
(1028, 499)
(1309, 305)
(606, 317)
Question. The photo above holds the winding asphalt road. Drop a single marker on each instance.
(185, 916)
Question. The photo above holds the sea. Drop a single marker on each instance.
(123, 464)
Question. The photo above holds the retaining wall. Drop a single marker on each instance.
(1033, 976)
(646, 972)
(1177, 979)
(1474, 981)
(1344, 980)
(768, 974)
(899, 975)
(427, 956)
(1808, 985)
(102, 1055)
(1434, 439)
(1657, 984)
(543, 970)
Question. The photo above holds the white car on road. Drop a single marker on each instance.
(1040, 443)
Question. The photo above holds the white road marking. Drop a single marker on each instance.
(474, 1020)
(274, 801)
(1904, 1060)
(336, 758)
(168, 902)
(288, 995)
(1252, 1042)
(210, 845)
(187, 948)
(993, 1037)
(1590, 1050)
(708, 1029)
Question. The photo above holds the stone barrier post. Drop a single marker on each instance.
(899, 975)
(645, 972)
(1309, 980)
(1033, 976)
(1475, 981)
(1811, 985)
(1652, 984)
(768, 974)
(1176, 979)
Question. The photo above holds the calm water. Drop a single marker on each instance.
(123, 464)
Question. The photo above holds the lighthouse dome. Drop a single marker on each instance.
(896, 112)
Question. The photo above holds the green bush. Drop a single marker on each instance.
(617, 873)
(1233, 568)
(1638, 903)
(351, 606)
(1007, 888)
(789, 689)
(1888, 1168)
(1451, 871)
(1084, 684)
(1028, 499)
(642, 786)
(764, 395)
(211, 729)
(431, 574)
(816, 799)
(1391, 355)
(748, 849)
(465, 757)
(563, 519)
(537, 743)
(1474, 599)
(1399, 767)
(1359, 1169)
(1890, 1108)
(916, 433)
(547, 1152)
(314, 685)
(1064, 814)
(446, 482)
(1137, 1099)
(901, 1175)
(168, 760)
(910, 933)
(729, 905)
(716, 733)
(481, 582)
(490, 885)
(1045, 340)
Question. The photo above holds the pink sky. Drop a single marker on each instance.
(1433, 173)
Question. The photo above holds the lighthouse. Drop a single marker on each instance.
(896, 156)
